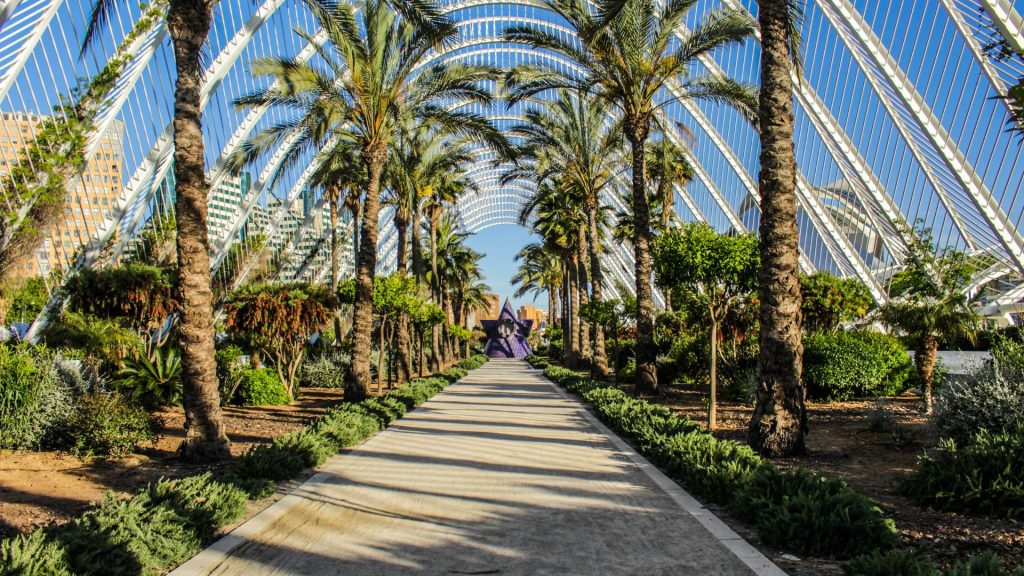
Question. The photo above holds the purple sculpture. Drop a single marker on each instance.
(506, 336)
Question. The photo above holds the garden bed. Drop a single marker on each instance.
(841, 444)
(43, 488)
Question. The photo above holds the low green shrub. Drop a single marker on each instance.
(905, 562)
(230, 368)
(109, 425)
(713, 468)
(841, 365)
(35, 401)
(204, 503)
(993, 401)
(985, 476)
(786, 507)
(325, 371)
(262, 387)
(32, 555)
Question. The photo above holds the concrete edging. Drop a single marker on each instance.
(750, 556)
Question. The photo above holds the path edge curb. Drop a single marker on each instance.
(745, 551)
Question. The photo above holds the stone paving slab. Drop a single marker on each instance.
(499, 474)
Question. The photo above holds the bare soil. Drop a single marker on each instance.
(44, 488)
(843, 443)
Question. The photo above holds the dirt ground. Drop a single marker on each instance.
(42, 488)
(842, 443)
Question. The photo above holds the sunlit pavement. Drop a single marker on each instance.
(499, 474)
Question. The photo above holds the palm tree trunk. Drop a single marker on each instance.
(335, 257)
(403, 360)
(713, 361)
(646, 371)
(567, 336)
(363, 316)
(780, 417)
(205, 437)
(924, 360)
(581, 273)
(596, 283)
(435, 334)
(574, 313)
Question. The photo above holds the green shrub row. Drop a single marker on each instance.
(904, 562)
(783, 506)
(169, 522)
(148, 533)
(985, 476)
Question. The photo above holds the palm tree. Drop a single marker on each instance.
(453, 263)
(780, 417)
(540, 270)
(931, 304)
(442, 194)
(188, 22)
(339, 172)
(559, 218)
(627, 57)
(669, 167)
(568, 140)
(473, 296)
(370, 84)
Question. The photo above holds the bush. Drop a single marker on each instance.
(325, 371)
(985, 476)
(908, 563)
(787, 506)
(108, 425)
(35, 402)
(230, 369)
(711, 467)
(992, 402)
(262, 387)
(841, 365)
(32, 555)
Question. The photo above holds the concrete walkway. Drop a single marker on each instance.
(499, 474)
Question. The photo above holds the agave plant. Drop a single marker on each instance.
(155, 382)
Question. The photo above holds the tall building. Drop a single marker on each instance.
(490, 310)
(88, 205)
(528, 312)
(225, 204)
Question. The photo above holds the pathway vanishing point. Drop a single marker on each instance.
(501, 473)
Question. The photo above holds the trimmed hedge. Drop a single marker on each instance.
(262, 387)
(906, 562)
(841, 365)
(784, 506)
(169, 522)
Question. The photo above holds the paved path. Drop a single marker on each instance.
(499, 474)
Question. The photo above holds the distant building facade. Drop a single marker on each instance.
(490, 310)
(533, 313)
(88, 205)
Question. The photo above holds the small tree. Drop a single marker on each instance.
(424, 316)
(829, 301)
(392, 299)
(277, 320)
(930, 304)
(138, 295)
(611, 315)
(717, 270)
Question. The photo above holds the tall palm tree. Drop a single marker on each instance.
(188, 22)
(442, 194)
(339, 172)
(559, 218)
(540, 270)
(568, 139)
(627, 57)
(472, 296)
(668, 167)
(780, 417)
(370, 82)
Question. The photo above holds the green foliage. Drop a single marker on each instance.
(230, 369)
(325, 371)
(108, 425)
(715, 267)
(32, 555)
(155, 382)
(103, 342)
(35, 402)
(842, 365)
(140, 295)
(277, 320)
(993, 402)
(984, 476)
(829, 301)
(205, 504)
(27, 298)
(787, 506)
(905, 562)
(262, 387)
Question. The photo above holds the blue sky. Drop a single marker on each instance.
(500, 245)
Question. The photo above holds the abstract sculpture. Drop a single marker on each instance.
(506, 336)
